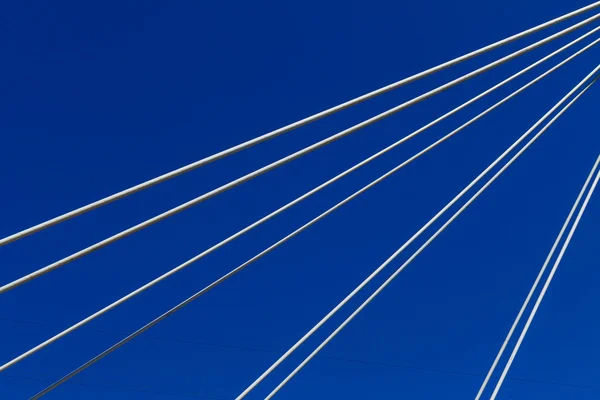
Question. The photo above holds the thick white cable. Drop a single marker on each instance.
(536, 283)
(412, 239)
(286, 128)
(302, 228)
(545, 288)
(283, 161)
(391, 278)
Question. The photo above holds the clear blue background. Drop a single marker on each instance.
(97, 97)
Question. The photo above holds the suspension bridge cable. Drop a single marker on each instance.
(129, 296)
(280, 162)
(285, 129)
(296, 232)
(536, 282)
(412, 239)
(545, 287)
(399, 270)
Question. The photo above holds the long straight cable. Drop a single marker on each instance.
(536, 282)
(296, 232)
(399, 270)
(132, 294)
(545, 288)
(413, 238)
(282, 161)
(287, 128)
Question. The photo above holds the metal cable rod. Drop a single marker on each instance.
(545, 287)
(412, 239)
(302, 228)
(536, 282)
(399, 270)
(189, 262)
(280, 162)
(285, 129)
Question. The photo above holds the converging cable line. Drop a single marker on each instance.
(545, 287)
(184, 265)
(287, 128)
(287, 159)
(399, 270)
(305, 226)
(414, 237)
(536, 283)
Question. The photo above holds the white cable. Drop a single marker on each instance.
(285, 129)
(545, 288)
(282, 161)
(171, 272)
(297, 231)
(536, 283)
(414, 237)
(391, 278)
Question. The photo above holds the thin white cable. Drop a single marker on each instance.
(297, 231)
(391, 278)
(291, 157)
(545, 288)
(536, 283)
(413, 238)
(285, 129)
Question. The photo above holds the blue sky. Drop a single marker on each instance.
(97, 98)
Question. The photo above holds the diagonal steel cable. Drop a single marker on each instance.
(287, 128)
(299, 230)
(403, 247)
